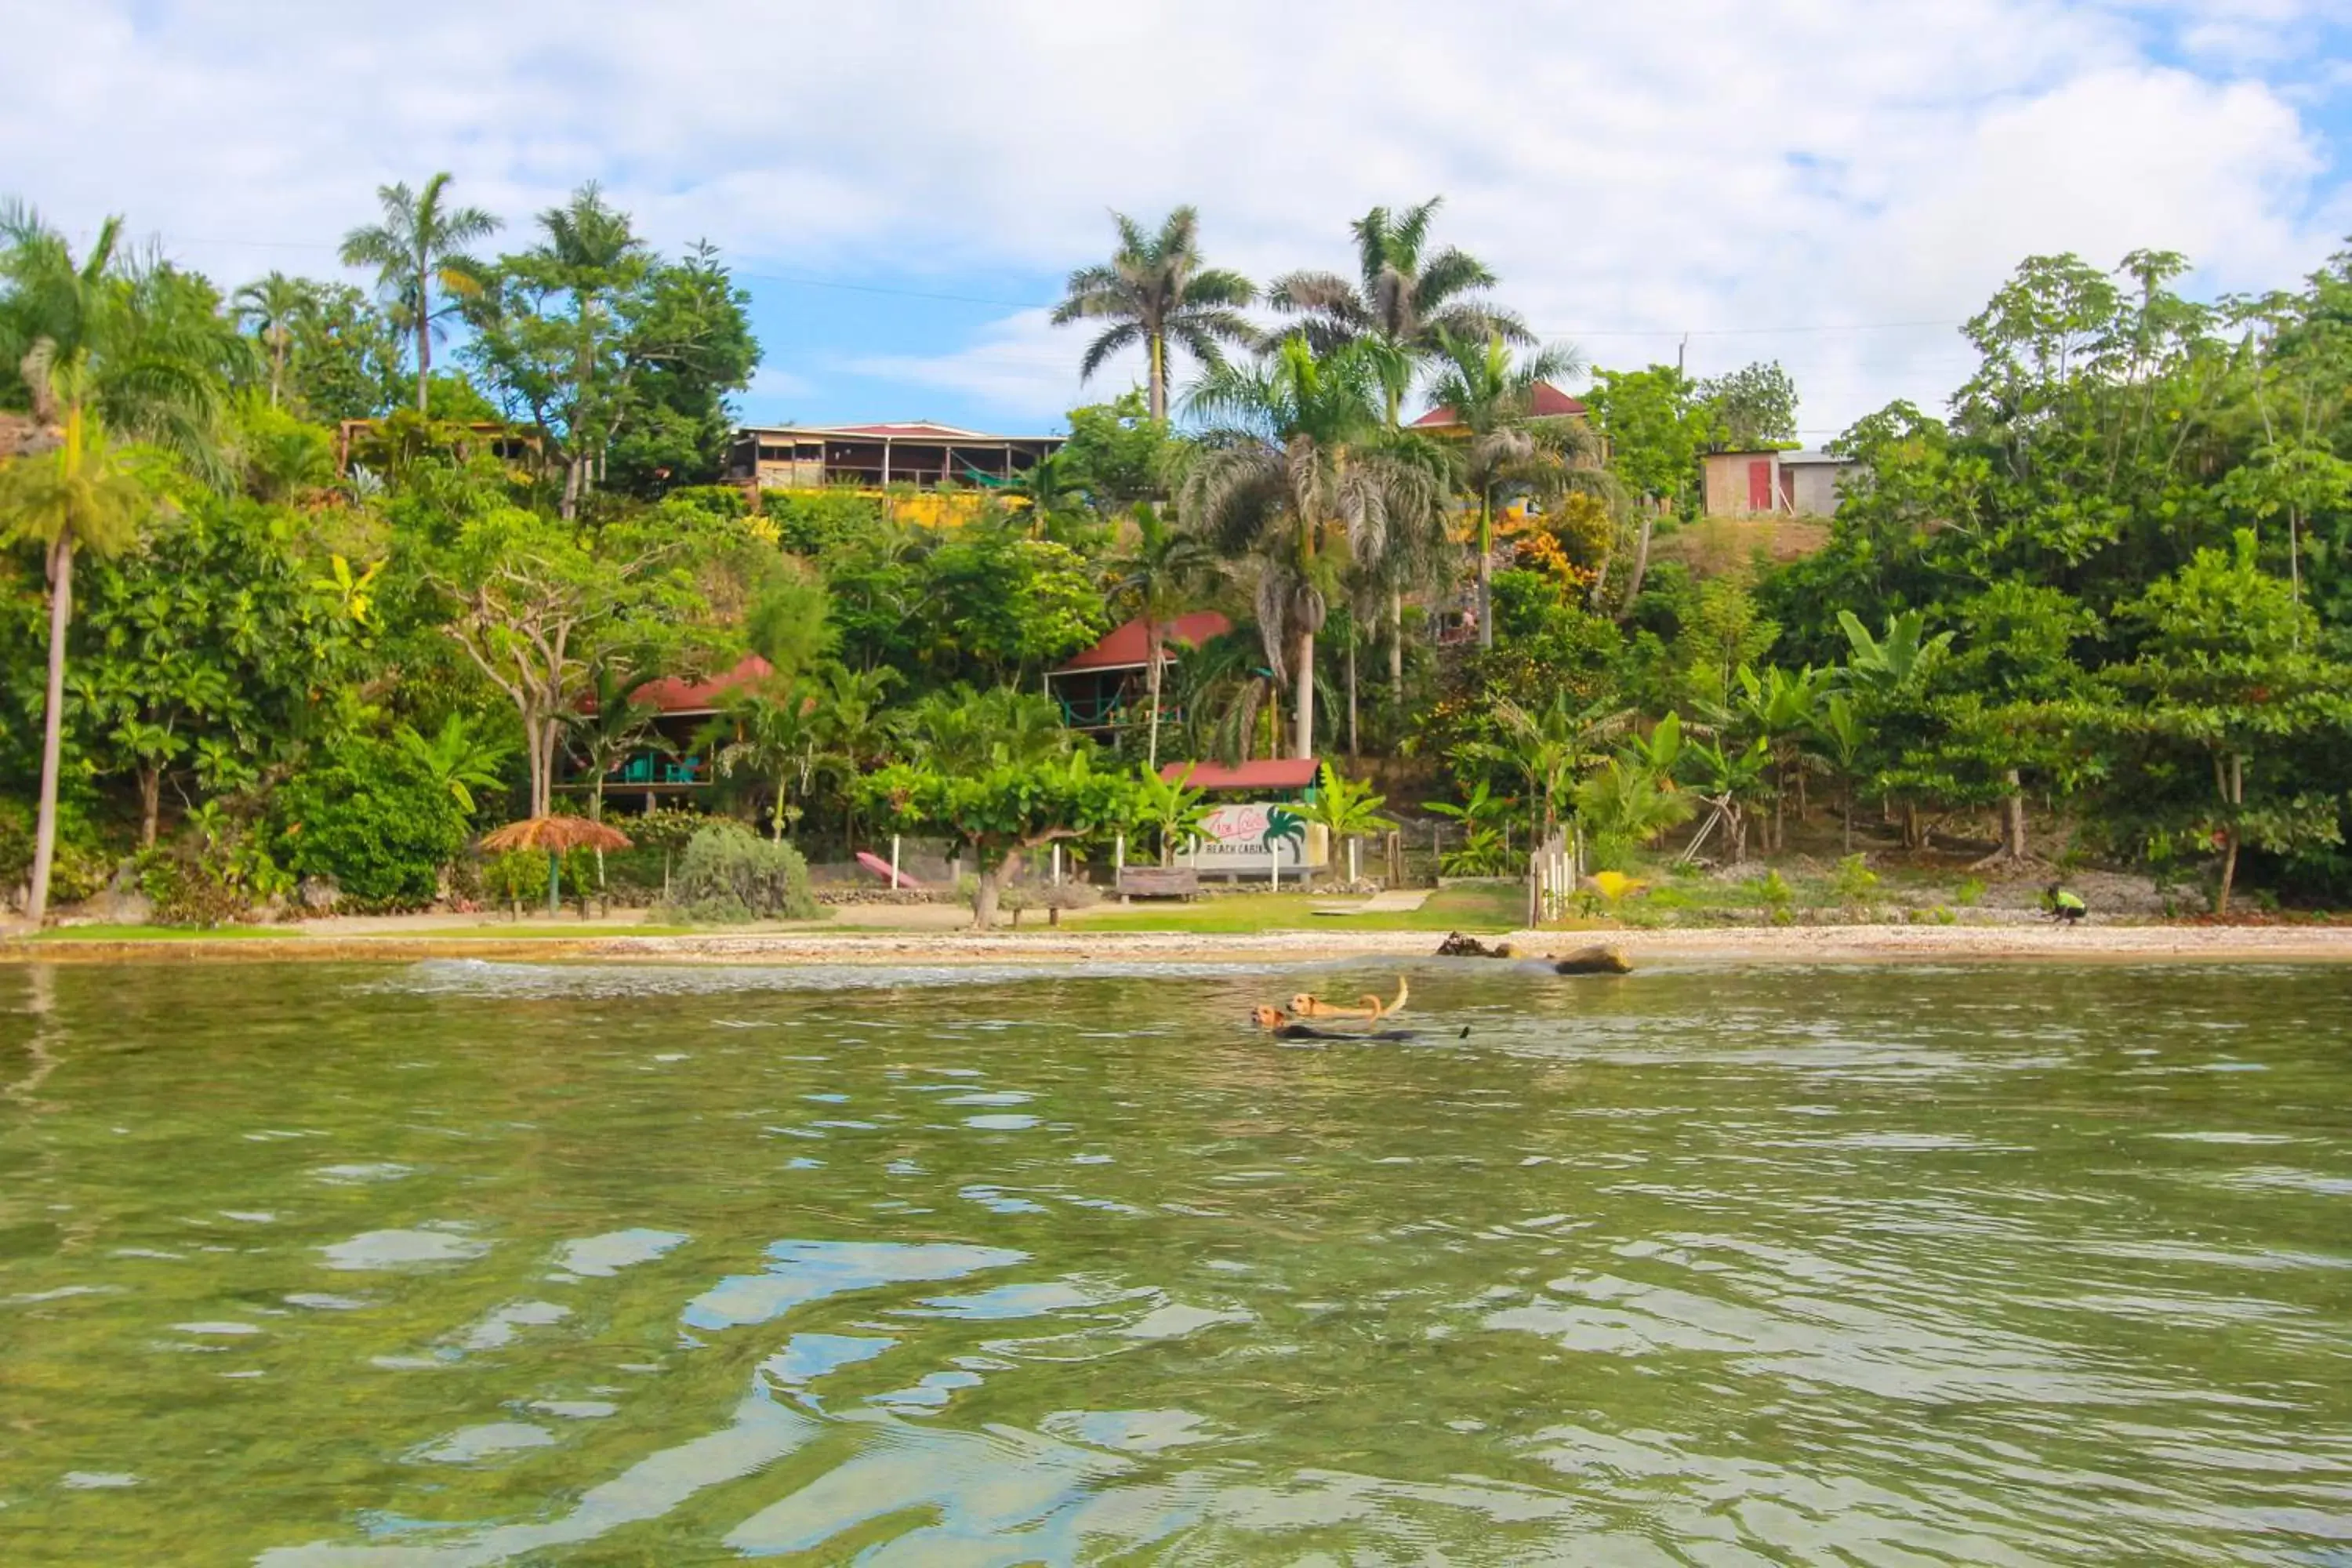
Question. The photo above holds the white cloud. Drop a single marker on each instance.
(1630, 170)
(1023, 364)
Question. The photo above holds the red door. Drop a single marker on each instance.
(1760, 485)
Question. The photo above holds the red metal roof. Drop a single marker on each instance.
(922, 429)
(673, 695)
(1548, 402)
(1272, 772)
(1125, 649)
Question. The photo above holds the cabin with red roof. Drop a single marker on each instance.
(1547, 402)
(668, 764)
(918, 452)
(1097, 688)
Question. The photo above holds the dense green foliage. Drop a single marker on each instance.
(2102, 607)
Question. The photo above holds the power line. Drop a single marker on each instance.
(805, 281)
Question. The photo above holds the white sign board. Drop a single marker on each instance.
(1238, 840)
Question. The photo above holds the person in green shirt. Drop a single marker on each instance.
(2061, 905)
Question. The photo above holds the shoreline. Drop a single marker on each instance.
(1736, 945)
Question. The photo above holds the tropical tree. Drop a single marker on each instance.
(418, 250)
(1551, 745)
(613, 724)
(769, 730)
(1347, 811)
(271, 307)
(1403, 298)
(461, 756)
(1171, 807)
(1842, 736)
(1004, 811)
(1155, 291)
(958, 730)
(1296, 474)
(89, 494)
(1493, 398)
(1158, 575)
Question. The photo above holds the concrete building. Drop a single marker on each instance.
(1765, 484)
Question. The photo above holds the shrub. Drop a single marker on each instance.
(1772, 890)
(374, 821)
(1855, 881)
(729, 874)
(516, 877)
(80, 868)
(1970, 889)
(212, 873)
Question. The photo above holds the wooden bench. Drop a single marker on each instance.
(1158, 882)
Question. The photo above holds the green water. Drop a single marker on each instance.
(467, 1263)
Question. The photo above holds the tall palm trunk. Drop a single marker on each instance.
(424, 336)
(1354, 750)
(1159, 377)
(1486, 568)
(1396, 647)
(1152, 663)
(44, 829)
(1304, 695)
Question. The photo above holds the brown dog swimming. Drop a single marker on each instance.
(1282, 1026)
(1591, 960)
(1370, 1008)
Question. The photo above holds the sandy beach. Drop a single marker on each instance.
(1729, 945)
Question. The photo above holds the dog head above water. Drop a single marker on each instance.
(1268, 1017)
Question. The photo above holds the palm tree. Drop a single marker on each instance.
(1295, 473)
(590, 251)
(459, 758)
(271, 307)
(614, 725)
(1401, 298)
(1159, 574)
(1492, 398)
(420, 247)
(1155, 290)
(86, 495)
(105, 346)
(769, 730)
(1553, 744)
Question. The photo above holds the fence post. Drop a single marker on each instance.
(894, 862)
(1057, 865)
(1535, 888)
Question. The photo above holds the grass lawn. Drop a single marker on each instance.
(1476, 908)
(157, 933)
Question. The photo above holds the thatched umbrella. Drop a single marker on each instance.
(555, 833)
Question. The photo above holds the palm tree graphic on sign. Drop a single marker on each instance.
(1282, 825)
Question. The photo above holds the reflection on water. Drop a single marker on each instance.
(480, 1264)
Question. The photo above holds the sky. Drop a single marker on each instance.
(902, 185)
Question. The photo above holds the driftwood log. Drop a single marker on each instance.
(1456, 945)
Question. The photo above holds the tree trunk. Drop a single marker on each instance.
(1304, 697)
(151, 803)
(1158, 376)
(424, 337)
(1354, 752)
(776, 817)
(2013, 819)
(1485, 569)
(1396, 647)
(2230, 774)
(1151, 656)
(1845, 814)
(990, 884)
(45, 830)
(1641, 558)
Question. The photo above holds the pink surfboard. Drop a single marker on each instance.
(881, 868)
